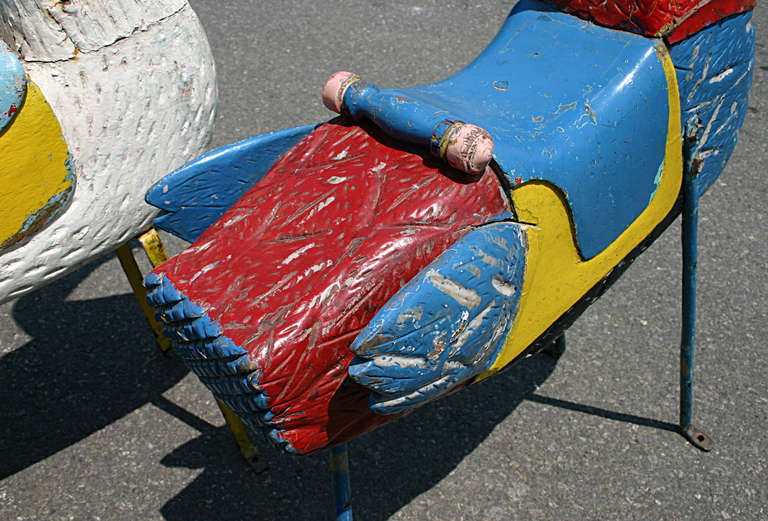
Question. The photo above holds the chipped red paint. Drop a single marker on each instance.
(669, 18)
(708, 14)
(11, 110)
(304, 260)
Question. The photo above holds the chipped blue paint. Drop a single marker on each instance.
(714, 72)
(197, 194)
(566, 101)
(657, 181)
(221, 365)
(13, 85)
(447, 324)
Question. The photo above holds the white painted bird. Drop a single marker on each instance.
(100, 99)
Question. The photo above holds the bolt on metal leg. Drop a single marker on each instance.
(688, 330)
(342, 490)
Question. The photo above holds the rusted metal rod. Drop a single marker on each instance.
(690, 221)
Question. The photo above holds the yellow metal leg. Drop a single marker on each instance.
(131, 269)
(153, 247)
(237, 427)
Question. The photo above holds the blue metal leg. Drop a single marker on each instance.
(342, 491)
(690, 254)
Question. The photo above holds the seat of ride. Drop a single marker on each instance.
(567, 102)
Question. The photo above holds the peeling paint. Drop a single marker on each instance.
(325, 203)
(507, 289)
(341, 155)
(565, 107)
(472, 327)
(38, 178)
(720, 58)
(296, 254)
(13, 85)
(657, 181)
(456, 339)
(717, 78)
(400, 361)
(464, 296)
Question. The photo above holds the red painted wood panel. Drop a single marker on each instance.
(656, 17)
(708, 14)
(304, 260)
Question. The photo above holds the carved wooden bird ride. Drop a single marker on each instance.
(342, 275)
(98, 101)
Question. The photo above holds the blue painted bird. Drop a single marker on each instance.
(342, 275)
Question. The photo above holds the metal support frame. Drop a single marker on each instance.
(342, 490)
(690, 221)
(153, 247)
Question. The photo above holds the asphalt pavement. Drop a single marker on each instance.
(95, 424)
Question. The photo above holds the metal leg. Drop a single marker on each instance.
(153, 247)
(690, 254)
(132, 272)
(556, 348)
(237, 428)
(342, 490)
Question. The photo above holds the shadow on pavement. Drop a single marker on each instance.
(91, 362)
(88, 364)
(604, 413)
(390, 466)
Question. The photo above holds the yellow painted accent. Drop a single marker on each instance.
(556, 277)
(33, 155)
(153, 247)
